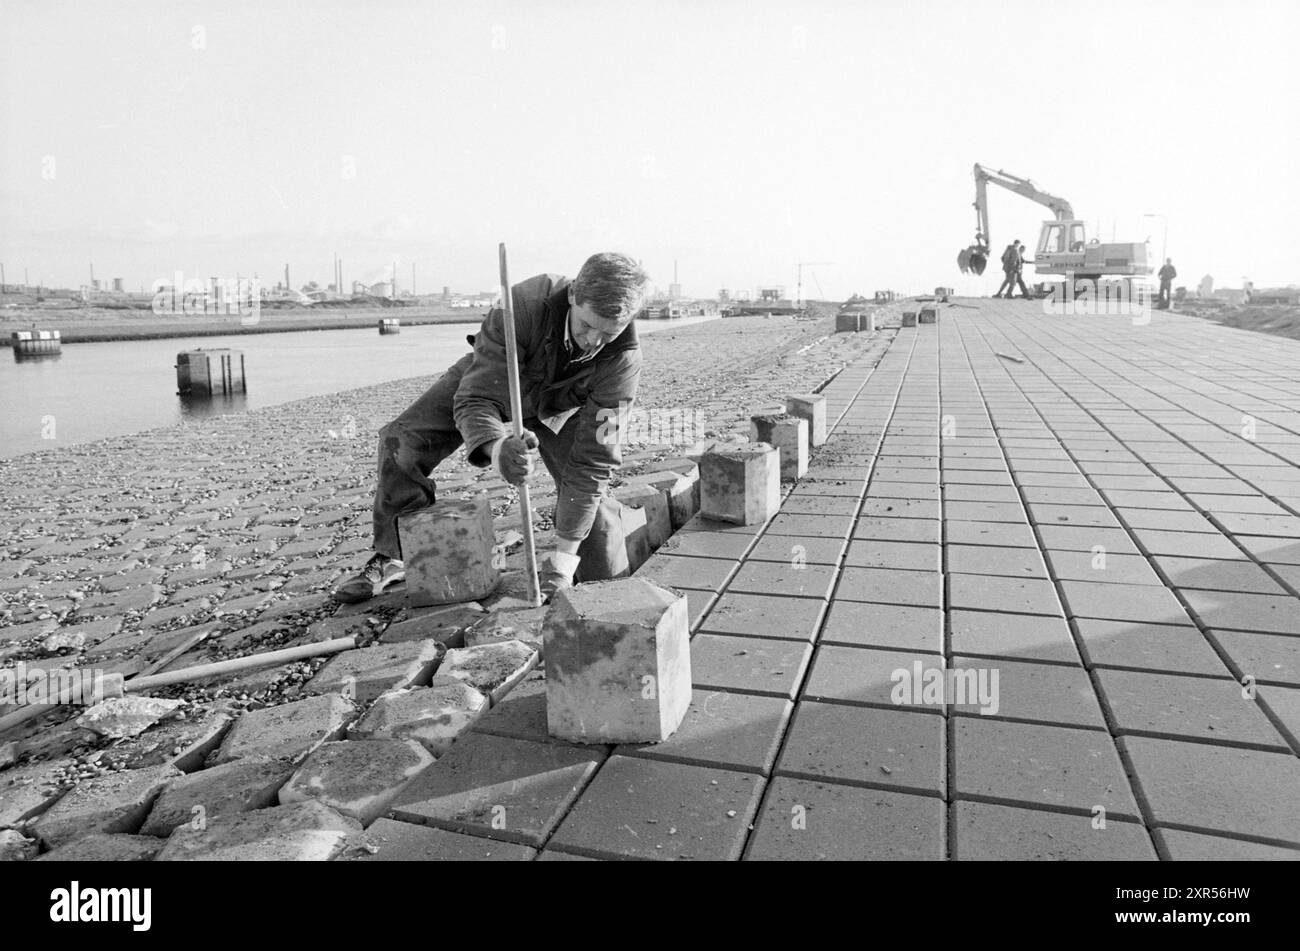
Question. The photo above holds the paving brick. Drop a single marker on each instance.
(362, 674)
(794, 549)
(993, 593)
(1214, 788)
(499, 787)
(432, 716)
(1014, 636)
(1046, 693)
(900, 508)
(289, 731)
(444, 624)
(988, 832)
(1251, 612)
(994, 560)
(860, 675)
(238, 786)
(1186, 544)
(867, 746)
(356, 779)
(701, 574)
(1166, 520)
(1103, 566)
(1185, 707)
(1180, 846)
(1179, 649)
(28, 790)
(106, 847)
(705, 544)
(890, 586)
(1122, 602)
(1006, 534)
(884, 625)
(117, 802)
(650, 809)
(300, 832)
(813, 526)
(1115, 541)
(984, 511)
(491, 669)
(729, 730)
(1071, 770)
(799, 580)
(874, 553)
(803, 820)
(755, 615)
(758, 665)
(390, 841)
(898, 529)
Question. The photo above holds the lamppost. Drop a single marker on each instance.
(1164, 242)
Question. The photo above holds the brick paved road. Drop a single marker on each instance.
(1111, 526)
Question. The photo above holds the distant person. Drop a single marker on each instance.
(1166, 275)
(579, 360)
(1020, 269)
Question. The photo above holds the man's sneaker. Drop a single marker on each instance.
(380, 572)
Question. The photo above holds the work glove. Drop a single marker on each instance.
(516, 457)
(556, 573)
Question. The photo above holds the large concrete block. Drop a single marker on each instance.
(490, 669)
(928, 315)
(117, 802)
(636, 535)
(812, 407)
(658, 521)
(288, 731)
(847, 322)
(237, 786)
(301, 832)
(618, 666)
(909, 318)
(789, 435)
(681, 487)
(447, 548)
(363, 673)
(740, 484)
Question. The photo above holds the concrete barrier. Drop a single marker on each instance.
(447, 548)
(36, 343)
(389, 325)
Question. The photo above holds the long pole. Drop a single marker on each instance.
(517, 421)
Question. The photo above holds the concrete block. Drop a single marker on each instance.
(362, 674)
(359, 780)
(289, 731)
(658, 521)
(524, 624)
(391, 841)
(741, 485)
(490, 669)
(909, 318)
(237, 786)
(867, 322)
(618, 666)
(117, 802)
(446, 625)
(812, 407)
(16, 847)
(789, 436)
(106, 847)
(633, 523)
(928, 315)
(432, 716)
(27, 791)
(448, 552)
(847, 322)
(680, 487)
(303, 831)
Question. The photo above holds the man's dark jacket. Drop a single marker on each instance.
(600, 390)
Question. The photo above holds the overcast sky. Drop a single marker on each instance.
(223, 138)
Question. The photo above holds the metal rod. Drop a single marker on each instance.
(517, 420)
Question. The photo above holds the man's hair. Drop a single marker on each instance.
(613, 284)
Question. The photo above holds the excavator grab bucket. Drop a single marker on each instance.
(972, 259)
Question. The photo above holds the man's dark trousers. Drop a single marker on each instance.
(1165, 288)
(425, 434)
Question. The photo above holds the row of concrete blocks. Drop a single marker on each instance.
(926, 315)
(390, 325)
(855, 321)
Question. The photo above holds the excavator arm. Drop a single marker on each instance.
(975, 257)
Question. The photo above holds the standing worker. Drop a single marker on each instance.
(1166, 275)
(1010, 255)
(580, 363)
(1020, 269)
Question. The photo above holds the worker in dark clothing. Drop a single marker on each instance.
(1020, 268)
(1166, 275)
(1010, 259)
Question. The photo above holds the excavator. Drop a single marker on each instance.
(1063, 246)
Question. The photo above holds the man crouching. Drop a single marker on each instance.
(579, 365)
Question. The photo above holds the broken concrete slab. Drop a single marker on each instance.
(740, 485)
(448, 551)
(432, 716)
(618, 666)
(789, 435)
(27, 791)
(391, 841)
(523, 624)
(16, 847)
(444, 624)
(359, 780)
(658, 520)
(289, 731)
(119, 717)
(117, 802)
(183, 742)
(300, 832)
(237, 786)
(364, 673)
(491, 669)
(812, 407)
(107, 847)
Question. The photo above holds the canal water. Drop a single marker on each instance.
(95, 390)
